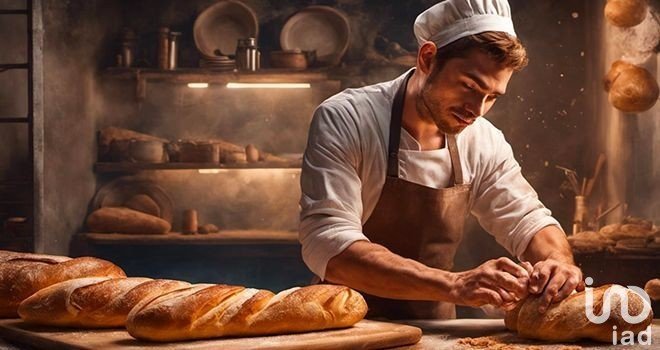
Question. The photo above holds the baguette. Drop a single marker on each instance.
(6, 255)
(208, 311)
(21, 277)
(567, 321)
(96, 302)
(125, 220)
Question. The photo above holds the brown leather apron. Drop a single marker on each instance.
(417, 222)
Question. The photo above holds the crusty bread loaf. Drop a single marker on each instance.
(125, 220)
(6, 255)
(95, 302)
(23, 276)
(567, 320)
(107, 135)
(652, 288)
(626, 13)
(631, 88)
(589, 242)
(630, 228)
(143, 203)
(209, 311)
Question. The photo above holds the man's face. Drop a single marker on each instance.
(463, 90)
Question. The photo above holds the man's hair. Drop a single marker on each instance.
(502, 47)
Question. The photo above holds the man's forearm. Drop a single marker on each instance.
(375, 270)
(549, 243)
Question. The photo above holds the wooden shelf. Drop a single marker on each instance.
(188, 75)
(224, 237)
(638, 255)
(110, 167)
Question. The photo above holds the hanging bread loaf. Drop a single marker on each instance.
(209, 311)
(626, 13)
(631, 88)
(23, 276)
(95, 302)
(567, 320)
(125, 220)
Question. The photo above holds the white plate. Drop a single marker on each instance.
(220, 26)
(320, 28)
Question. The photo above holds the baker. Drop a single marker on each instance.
(391, 171)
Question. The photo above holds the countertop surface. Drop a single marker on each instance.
(449, 334)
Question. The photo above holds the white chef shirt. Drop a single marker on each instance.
(345, 165)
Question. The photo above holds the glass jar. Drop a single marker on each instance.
(247, 54)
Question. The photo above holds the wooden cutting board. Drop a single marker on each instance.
(364, 335)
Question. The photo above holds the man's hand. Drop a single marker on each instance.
(554, 274)
(556, 280)
(500, 282)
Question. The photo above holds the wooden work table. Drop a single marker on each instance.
(437, 335)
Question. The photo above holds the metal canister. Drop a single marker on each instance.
(173, 50)
(163, 47)
(247, 54)
(127, 53)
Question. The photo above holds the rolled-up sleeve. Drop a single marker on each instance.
(331, 204)
(505, 204)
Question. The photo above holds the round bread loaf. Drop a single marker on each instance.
(652, 288)
(567, 321)
(626, 13)
(631, 88)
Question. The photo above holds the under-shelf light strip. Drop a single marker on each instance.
(268, 85)
(255, 85)
(198, 85)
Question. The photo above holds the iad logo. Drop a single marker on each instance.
(627, 337)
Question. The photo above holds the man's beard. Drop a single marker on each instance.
(429, 110)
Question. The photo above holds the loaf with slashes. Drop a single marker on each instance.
(205, 311)
(22, 275)
(93, 302)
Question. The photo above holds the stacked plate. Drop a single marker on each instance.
(323, 29)
(221, 63)
(220, 26)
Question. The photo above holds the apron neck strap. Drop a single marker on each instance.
(395, 137)
(455, 159)
(395, 128)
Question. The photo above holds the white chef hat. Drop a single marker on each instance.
(450, 20)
